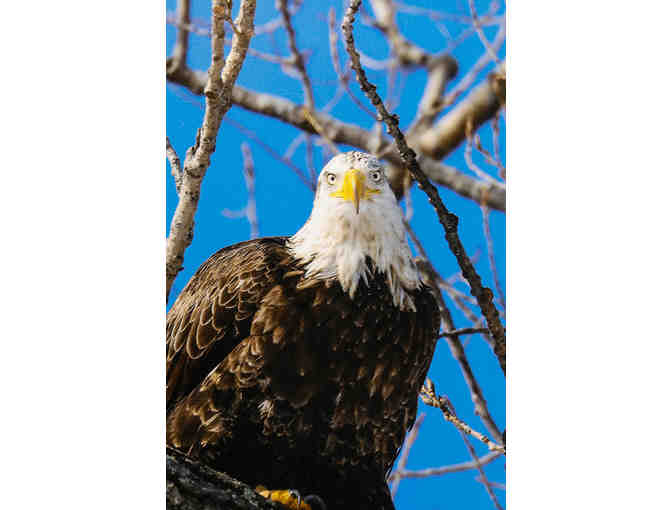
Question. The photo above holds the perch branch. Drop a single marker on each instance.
(191, 485)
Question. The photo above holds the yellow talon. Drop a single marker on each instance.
(290, 498)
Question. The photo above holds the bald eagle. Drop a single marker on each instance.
(296, 362)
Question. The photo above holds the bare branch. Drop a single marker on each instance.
(482, 478)
(251, 197)
(481, 35)
(340, 132)
(309, 159)
(491, 255)
(297, 61)
(448, 220)
(250, 210)
(440, 70)
(495, 146)
(405, 451)
(453, 468)
(494, 485)
(484, 20)
(491, 159)
(175, 166)
(456, 347)
(271, 151)
(480, 105)
(467, 81)
(342, 75)
(470, 162)
(179, 57)
(428, 396)
(202, 27)
(407, 53)
(218, 89)
(464, 331)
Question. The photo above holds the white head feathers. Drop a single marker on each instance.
(355, 215)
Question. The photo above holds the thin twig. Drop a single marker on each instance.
(298, 61)
(405, 451)
(463, 331)
(271, 151)
(448, 220)
(494, 485)
(495, 146)
(218, 89)
(429, 397)
(453, 468)
(467, 81)
(319, 129)
(204, 30)
(310, 163)
(343, 77)
(483, 479)
(491, 255)
(481, 35)
(473, 166)
(456, 347)
(251, 208)
(492, 160)
(300, 66)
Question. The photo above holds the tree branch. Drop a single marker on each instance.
(456, 347)
(481, 105)
(453, 468)
(217, 90)
(403, 456)
(297, 58)
(191, 485)
(175, 166)
(179, 57)
(429, 397)
(339, 132)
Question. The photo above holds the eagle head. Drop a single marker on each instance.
(355, 216)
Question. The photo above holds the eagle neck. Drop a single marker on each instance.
(339, 246)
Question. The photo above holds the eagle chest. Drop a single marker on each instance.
(336, 367)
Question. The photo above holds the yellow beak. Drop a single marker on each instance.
(354, 188)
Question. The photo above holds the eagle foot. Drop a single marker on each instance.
(292, 499)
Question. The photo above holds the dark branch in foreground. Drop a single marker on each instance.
(448, 220)
(192, 486)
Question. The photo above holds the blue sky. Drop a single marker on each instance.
(284, 202)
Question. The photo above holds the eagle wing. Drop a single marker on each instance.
(214, 312)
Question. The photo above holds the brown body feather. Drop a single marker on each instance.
(286, 381)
